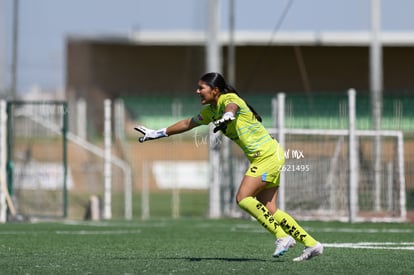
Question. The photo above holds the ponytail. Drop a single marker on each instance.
(256, 115)
(230, 89)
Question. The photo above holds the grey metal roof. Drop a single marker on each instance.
(254, 38)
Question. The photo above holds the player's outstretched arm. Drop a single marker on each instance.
(177, 128)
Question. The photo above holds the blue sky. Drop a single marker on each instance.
(45, 24)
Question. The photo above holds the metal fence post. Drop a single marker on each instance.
(281, 138)
(353, 159)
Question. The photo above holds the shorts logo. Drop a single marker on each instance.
(253, 169)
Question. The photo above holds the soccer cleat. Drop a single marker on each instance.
(283, 245)
(310, 252)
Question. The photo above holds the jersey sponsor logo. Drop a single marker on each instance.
(253, 169)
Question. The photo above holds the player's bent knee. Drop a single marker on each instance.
(239, 198)
(242, 202)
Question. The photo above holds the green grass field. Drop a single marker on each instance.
(199, 246)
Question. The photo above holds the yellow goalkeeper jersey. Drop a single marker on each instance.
(245, 130)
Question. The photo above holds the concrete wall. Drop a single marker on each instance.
(129, 69)
(117, 68)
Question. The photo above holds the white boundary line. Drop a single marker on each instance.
(362, 230)
(75, 232)
(95, 232)
(373, 245)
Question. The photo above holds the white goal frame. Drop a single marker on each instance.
(353, 178)
(352, 135)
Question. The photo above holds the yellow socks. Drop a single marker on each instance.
(262, 215)
(281, 224)
(291, 227)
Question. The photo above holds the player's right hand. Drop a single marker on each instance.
(150, 134)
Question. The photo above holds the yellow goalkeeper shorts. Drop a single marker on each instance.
(268, 167)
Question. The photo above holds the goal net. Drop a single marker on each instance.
(316, 175)
(36, 158)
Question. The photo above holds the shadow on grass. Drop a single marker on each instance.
(198, 259)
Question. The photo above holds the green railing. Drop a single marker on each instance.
(321, 111)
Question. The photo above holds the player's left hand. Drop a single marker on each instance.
(150, 134)
(221, 123)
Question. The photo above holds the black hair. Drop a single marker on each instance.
(217, 80)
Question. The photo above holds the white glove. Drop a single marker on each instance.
(221, 123)
(150, 134)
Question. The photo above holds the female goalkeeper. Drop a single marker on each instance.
(258, 190)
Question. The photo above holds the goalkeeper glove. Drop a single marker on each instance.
(221, 124)
(150, 134)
